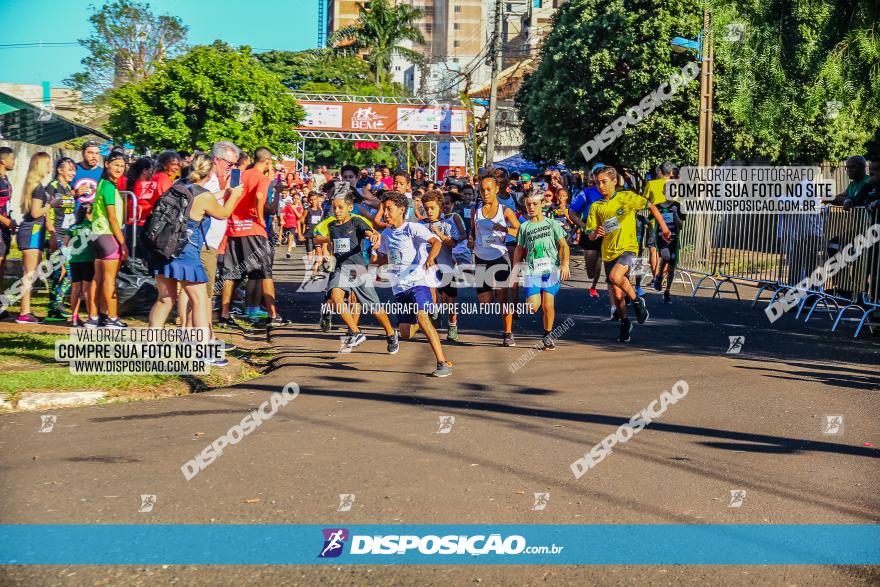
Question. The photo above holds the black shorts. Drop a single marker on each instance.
(310, 242)
(82, 271)
(650, 238)
(668, 251)
(449, 289)
(626, 259)
(492, 278)
(291, 232)
(588, 245)
(5, 241)
(248, 256)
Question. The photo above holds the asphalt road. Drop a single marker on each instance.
(366, 424)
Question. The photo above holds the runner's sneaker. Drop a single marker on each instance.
(227, 346)
(102, 320)
(443, 370)
(548, 343)
(393, 343)
(639, 291)
(615, 315)
(508, 339)
(218, 362)
(92, 323)
(28, 319)
(666, 297)
(594, 293)
(356, 340)
(326, 322)
(626, 328)
(229, 323)
(287, 255)
(279, 321)
(56, 316)
(641, 310)
(348, 334)
(115, 324)
(4, 315)
(452, 332)
(658, 283)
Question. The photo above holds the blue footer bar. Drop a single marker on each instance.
(600, 544)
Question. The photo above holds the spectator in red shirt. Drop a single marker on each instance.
(137, 181)
(248, 249)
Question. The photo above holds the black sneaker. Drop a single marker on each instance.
(56, 316)
(355, 340)
(626, 328)
(92, 323)
(508, 339)
(229, 323)
(615, 315)
(326, 322)
(115, 324)
(641, 310)
(393, 343)
(102, 320)
(548, 343)
(4, 315)
(666, 297)
(348, 334)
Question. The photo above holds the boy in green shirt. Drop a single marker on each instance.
(77, 241)
(614, 219)
(541, 242)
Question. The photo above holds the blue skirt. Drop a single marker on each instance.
(180, 269)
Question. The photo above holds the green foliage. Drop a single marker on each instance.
(777, 90)
(126, 45)
(378, 32)
(205, 96)
(804, 85)
(599, 59)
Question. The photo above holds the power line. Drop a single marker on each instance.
(38, 44)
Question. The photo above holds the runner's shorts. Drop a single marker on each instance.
(416, 299)
(445, 275)
(248, 256)
(535, 284)
(669, 251)
(626, 259)
(82, 271)
(495, 273)
(106, 248)
(355, 279)
(5, 241)
(588, 245)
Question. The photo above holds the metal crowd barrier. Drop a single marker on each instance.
(775, 253)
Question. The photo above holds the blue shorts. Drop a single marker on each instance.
(416, 299)
(534, 284)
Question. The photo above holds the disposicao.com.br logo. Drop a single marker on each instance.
(334, 541)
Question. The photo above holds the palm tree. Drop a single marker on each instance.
(377, 32)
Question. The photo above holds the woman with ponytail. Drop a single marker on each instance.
(32, 230)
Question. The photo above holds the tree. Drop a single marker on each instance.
(599, 59)
(127, 44)
(378, 31)
(804, 84)
(211, 93)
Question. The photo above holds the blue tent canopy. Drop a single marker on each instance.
(519, 164)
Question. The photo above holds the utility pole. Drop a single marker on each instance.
(707, 55)
(495, 54)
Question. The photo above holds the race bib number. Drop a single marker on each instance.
(342, 245)
(467, 212)
(68, 221)
(542, 265)
(395, 257)
(490, 239)
(316, 219)
(611, 225)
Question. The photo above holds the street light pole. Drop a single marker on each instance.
(707, 54)
(493, 90)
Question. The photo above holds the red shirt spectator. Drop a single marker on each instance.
(245, 219)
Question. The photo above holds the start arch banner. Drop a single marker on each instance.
(384, 118)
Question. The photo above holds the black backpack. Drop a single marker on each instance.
(165, 229)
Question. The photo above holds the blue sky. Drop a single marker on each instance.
(288, 25)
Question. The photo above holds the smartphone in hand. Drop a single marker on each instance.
(235, 178)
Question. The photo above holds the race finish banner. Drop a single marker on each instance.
(384, 118)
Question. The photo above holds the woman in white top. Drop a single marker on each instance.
(491, 223)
